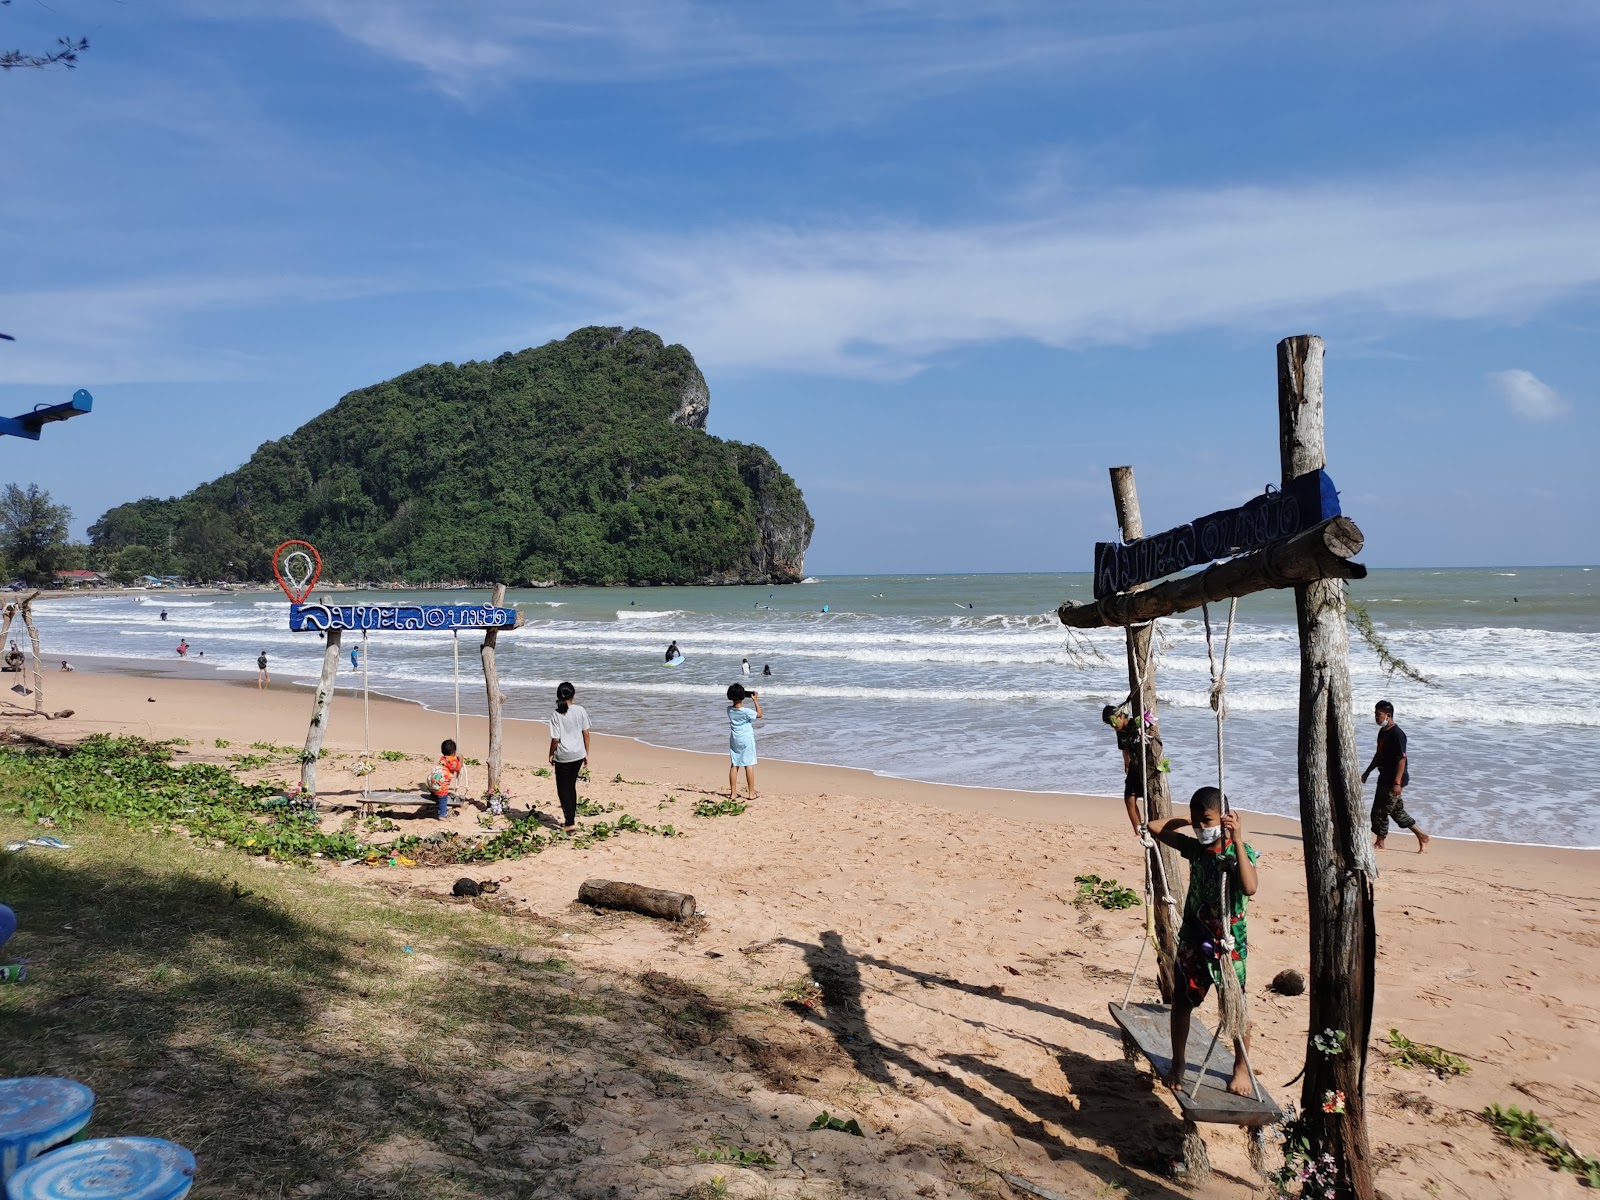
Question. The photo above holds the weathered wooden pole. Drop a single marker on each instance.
(491, 681)
(319, 714)
(1142, 686)
(33, 640)
(1338, 850)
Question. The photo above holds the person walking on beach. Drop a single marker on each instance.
(1133, 767)
(742, 738)
(1393, 775)
(1215, 852)
(262, 678)
(569, 751)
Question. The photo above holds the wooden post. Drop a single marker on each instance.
(33, 640)
(1338, 848)
(319, 714)
(1142, 686)
(491, 681)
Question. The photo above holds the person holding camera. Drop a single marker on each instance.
(742, 738)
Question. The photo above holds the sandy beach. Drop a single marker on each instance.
(978, 989)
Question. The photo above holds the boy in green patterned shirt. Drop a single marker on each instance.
(1216, 850)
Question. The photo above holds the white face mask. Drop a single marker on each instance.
(1208, 834)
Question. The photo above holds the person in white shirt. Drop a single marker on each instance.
(569, 751)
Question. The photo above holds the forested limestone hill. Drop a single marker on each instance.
(584, 460)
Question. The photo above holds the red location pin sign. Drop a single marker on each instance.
(297, 566)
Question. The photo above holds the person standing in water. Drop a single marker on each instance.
(1390, 763)
(673, 651)
(355, 658)
(744, 666)
(569, 751)
(767, 669)
(262, 678)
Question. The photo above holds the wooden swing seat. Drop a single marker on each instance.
(1149, 1026)
(372, 800)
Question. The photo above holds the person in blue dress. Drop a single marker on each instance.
(742, 738)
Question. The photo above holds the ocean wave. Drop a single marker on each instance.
(648, 614)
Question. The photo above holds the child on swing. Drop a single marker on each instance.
(444, 775)
(1216, 851)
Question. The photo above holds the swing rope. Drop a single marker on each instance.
(1230, 996)
(455, 651)
(366, 712)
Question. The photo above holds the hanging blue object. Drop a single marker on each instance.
(28, 424)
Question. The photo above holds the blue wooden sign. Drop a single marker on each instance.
(1274, 516)
(321, 617)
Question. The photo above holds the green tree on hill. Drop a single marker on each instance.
(584, 460)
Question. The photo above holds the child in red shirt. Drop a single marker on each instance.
(444, 775)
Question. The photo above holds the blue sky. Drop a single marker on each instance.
(947, 261)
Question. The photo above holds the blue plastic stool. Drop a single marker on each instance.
(37, 1113)
(119, 1168)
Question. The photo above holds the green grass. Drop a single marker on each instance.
(287, 1028)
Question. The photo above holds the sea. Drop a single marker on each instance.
(971, 679)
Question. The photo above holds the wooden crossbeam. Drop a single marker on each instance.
(1322, 552)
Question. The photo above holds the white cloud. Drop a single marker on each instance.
(882, 300)
(1530, 397)
(878, 46)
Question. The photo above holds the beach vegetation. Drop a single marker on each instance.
(581, 461)
(1107, 893)
(718, 806)
(1431, 1058)
(720, 1152)
(825, 1120)
(33, 534)
(1536, 1135)
(393, 755)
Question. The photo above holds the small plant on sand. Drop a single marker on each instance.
(542, 772)
(393, 755)
(720, 807)
(826, 1120)
(223, 743)
(802, 990)
(1107, 893)
(1432, 1058)
(1533, 1133)
(592, 808)
(1315, 1175)
(722, 1153)
(250, 762)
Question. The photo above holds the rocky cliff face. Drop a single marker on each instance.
(786, 525)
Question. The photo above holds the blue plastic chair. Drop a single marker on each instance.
(119, 1168)
(36, 1113)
